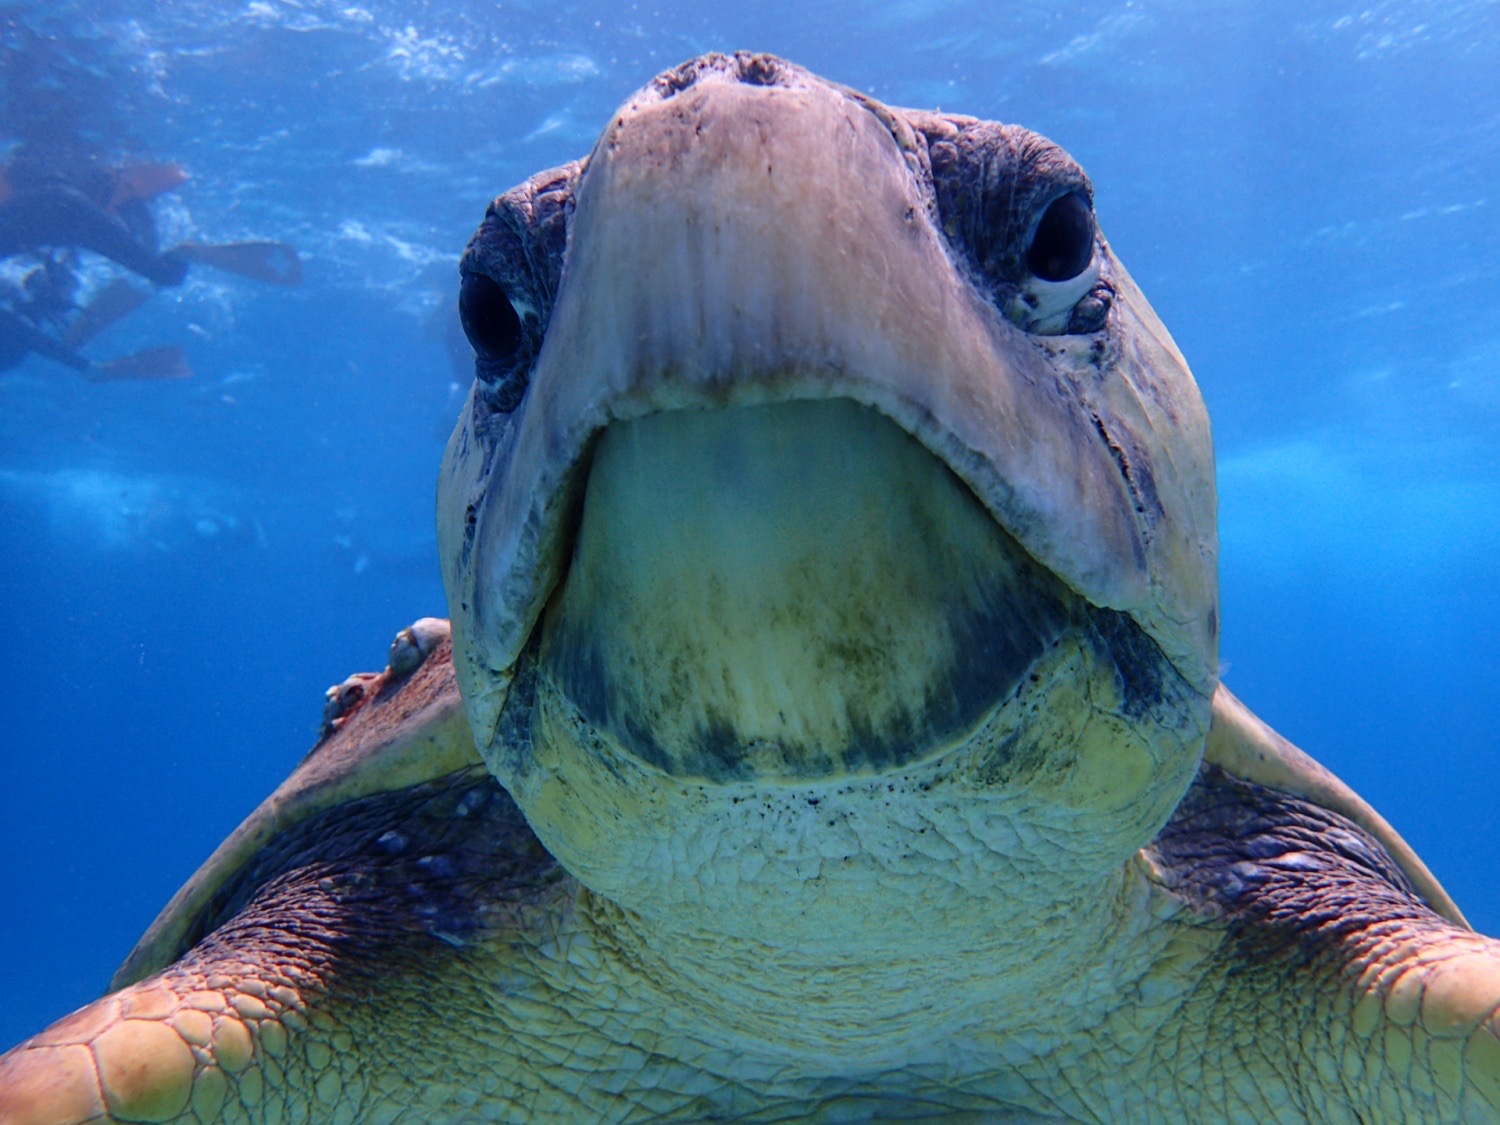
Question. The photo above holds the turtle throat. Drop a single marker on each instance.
(787, 592)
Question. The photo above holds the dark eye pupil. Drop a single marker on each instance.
(1064, 241)
(489, 319)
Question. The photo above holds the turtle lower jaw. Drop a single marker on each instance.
(792, 669)
(789, 591)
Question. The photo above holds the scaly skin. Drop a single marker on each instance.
(1225, 985)
(1355, 1001)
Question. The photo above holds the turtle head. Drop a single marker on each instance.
(828, 505)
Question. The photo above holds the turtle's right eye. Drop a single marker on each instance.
(489, 318)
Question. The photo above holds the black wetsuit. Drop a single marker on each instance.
(52, 213)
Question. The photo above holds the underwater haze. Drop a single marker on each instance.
(1307, 192)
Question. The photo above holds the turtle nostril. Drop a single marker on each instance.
(490, 320)
(760, 70)
(1063, 244)
(744, 67)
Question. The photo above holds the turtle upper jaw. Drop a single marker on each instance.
(735, 243)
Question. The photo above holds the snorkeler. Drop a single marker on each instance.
(45, 297)
(55, 201)
(48, 202)
(56, 198)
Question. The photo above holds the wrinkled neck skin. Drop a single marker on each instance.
(955, 949)
(1007, 990)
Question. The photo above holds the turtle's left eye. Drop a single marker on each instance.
(1063, 243)
(502, 331)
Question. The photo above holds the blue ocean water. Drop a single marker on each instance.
(1305, 191)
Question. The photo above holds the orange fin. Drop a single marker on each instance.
(272, 262)
(144, 181)
(153, 363)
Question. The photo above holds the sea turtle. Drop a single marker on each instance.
(829, 543)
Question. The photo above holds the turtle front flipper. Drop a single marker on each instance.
(296, 975)
(1345, 986)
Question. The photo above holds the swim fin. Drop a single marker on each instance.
(273, 262)
(153, 363)
(117, 299)
(144, 181)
